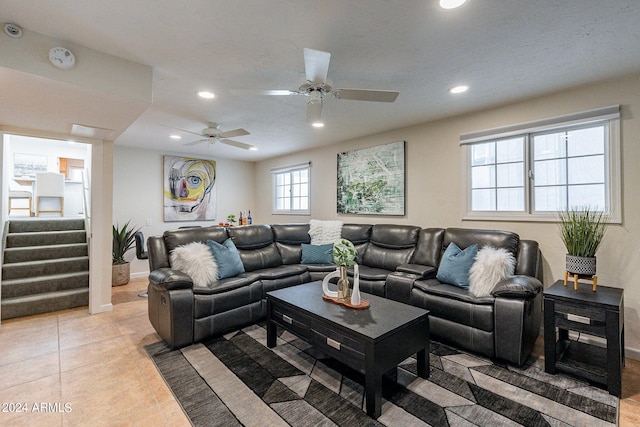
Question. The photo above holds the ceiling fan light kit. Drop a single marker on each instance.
(212, 134)
(316, 87)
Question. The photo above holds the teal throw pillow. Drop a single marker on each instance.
(317, 254)
(227, 257)
(455, 265)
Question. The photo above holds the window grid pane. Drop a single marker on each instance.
(497, 175)
(291, 191)
(575, 160)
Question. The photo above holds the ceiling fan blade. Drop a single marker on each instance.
(316, 65)
(366, 95)
(196, 142)
(276, 92)
(233, 133)
(182, 130)
(314, 112)
(237, 144)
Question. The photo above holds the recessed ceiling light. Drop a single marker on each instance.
(253, 149)
(206, 94)
(175, 137)
(451, 4)
(317, 124)
(459, 89)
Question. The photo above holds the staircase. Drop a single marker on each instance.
(45, 267)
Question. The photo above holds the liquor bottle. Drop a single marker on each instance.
(249, 219)
(240, 219)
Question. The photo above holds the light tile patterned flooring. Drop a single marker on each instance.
(72, 369)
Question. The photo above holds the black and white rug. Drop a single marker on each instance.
(236, 380)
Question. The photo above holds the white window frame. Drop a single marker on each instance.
(613, 187)
(275, 172)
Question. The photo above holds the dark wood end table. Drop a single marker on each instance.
(600, 314)
(371, 341)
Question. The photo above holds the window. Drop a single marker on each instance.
(291, 186)
(532, 171)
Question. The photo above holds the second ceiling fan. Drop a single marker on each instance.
(316, 87)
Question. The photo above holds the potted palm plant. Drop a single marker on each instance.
(582, 231)
(123, 241)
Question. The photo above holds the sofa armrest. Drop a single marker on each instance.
(170, 279)
(423, 271)
(517, 287)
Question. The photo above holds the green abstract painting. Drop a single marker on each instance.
(372, 180)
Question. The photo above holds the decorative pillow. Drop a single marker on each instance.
(227, 257)
(195, 260)
(491, 266)
(324, 232)
(317, 254)
(455, 264)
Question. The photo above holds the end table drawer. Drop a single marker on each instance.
(592, 313)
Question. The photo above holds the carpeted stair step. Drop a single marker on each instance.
(19, 270)
(35, 225)
(44, 303)
(37, 253)
(43, 238)
(44, 284)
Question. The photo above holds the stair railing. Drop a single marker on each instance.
(86, 200)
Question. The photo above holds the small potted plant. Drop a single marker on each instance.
(123, 241)
(582, 231)
(231, 219)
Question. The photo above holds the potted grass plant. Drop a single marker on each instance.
(123, 241)
(582, 231)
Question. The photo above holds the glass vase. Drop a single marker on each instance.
(344, 293)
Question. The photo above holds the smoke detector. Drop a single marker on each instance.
(12, 30)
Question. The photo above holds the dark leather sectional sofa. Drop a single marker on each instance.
(399, 262)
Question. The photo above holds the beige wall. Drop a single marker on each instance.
(435, 190)
(138, 186)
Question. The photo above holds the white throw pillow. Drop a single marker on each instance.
(195, 260)
(324, 232)
(491, 266)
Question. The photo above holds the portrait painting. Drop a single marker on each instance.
(189, 189)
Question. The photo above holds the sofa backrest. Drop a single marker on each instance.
(289, 238)
(390, 245)
(464, 237)
(359, 235)
(529, 261)
(160, 247)
(429, 247)
(175, 238)
(256, 246)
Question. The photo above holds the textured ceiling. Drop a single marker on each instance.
(504, 50)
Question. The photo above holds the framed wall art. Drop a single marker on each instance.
(189, 189)
(372, 180)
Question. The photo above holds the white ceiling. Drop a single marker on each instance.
(504, 50)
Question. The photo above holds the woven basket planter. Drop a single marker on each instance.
(120, 274)
(582, 266)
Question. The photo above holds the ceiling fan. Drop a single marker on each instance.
(316, 87)
(213, 134)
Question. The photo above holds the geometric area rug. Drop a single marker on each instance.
(235, 380)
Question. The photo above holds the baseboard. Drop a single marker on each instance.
(140, 274)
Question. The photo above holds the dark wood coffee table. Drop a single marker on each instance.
(371, 341)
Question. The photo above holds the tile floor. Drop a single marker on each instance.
(72, 369)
